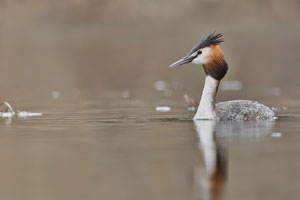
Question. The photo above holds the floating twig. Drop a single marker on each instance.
(8, 112)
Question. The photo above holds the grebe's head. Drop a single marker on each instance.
(208, 54)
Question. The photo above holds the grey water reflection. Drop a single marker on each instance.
(210, 184)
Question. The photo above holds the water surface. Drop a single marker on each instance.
(91, 151)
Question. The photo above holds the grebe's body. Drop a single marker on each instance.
(208, 54)
(243, 110)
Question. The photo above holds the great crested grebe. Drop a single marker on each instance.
(208, 54)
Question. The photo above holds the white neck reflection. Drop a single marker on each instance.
(210, 184)
(206, 134)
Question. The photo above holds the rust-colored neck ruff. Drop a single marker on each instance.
(217, 66)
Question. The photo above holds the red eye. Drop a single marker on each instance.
(199, 52)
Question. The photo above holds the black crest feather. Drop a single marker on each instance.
(208, 40)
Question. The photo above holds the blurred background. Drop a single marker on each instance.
(100, 49)
(96, 69)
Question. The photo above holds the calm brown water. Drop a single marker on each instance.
(91, 151)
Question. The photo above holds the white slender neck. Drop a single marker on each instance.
(206, 109)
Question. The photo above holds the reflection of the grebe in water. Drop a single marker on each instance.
(210, 185)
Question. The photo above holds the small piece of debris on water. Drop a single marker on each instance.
(284, 108)
(20, 114)
(274, 108)
(276, 134)
(9, 112)
(162, 108)
(6, 114)
(28, 114)
(160, 85)
(55, 95)
(192, 108)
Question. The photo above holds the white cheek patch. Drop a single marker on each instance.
(203, 58)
